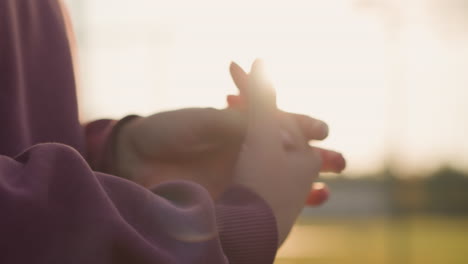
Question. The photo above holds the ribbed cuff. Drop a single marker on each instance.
(247, 227)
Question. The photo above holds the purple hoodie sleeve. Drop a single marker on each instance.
(55, 209)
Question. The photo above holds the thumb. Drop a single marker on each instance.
(240, 78)
(262, 111)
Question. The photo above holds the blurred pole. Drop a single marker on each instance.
(79, 21)
(392, 17)
(392, 21)
(77, 10)
(391, 12)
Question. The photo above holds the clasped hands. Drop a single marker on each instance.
(251, 143)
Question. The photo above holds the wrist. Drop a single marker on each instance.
(124, 150)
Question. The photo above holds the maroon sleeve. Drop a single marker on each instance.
(55, 209)
(100, 136)
(97, 144)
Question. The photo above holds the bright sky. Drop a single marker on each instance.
(386, 78)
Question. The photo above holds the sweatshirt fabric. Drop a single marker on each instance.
(56, 207)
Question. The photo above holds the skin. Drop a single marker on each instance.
(197, 144)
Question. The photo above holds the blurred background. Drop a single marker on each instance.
(388, 76)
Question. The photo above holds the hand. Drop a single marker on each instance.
(282, 177)
(332, 161)
(197, 144)
(312, 129)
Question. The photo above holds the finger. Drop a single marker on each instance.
(240, 78)
(235, 101)
(318, 195)
(261, 91)
(313, 129)
(332, 161)
(263, 125)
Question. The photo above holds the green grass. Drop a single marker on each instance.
(410, 240)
